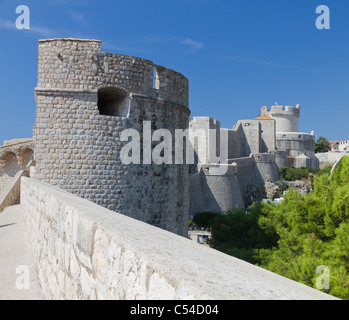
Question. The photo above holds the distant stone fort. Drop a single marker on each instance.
(256, 150)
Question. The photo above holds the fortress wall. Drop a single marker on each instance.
(268, 138)
(68, 63)
(266, 168)
(299, 147)
(200, 144)
(221, 192)
(235, 143)
(216, 193)
(82, 251)
(78, 150)
(197, 199)
(80, 119)
(329, 157)
(295, 141)
(251, 137)
(281, 158)
(172, 85)
(245, 173)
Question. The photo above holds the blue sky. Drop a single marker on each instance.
(237, 54)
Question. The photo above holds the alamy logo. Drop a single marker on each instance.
(323, 21)
(23, 20)
(170, 150)
(23, 280)
(323, 281)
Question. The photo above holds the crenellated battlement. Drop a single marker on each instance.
(282, 111)
(80, 64)
(286, 117)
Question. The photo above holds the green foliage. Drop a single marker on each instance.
(293, 174)
(299, 235)
(204, 219)
(327, 170)
(322, 145)
(237, 233)
(341, 174)
(283, 184)
(313, 231)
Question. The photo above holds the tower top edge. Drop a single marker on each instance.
(70, 39)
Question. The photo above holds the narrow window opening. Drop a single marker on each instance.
(156, 80)
(113, 102)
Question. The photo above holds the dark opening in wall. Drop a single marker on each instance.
(113, 102)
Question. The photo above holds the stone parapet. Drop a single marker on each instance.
(82, 251)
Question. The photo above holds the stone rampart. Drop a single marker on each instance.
(266, 168)
(330, 157)
(86, 99)
(301, 142)
(82, 251)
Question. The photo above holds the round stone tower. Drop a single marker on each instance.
(286, 117)
(85, 99)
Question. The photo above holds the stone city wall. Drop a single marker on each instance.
(301, 142)
(330, 157)
(82, 251)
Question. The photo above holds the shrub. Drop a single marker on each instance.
(293, 174)
(283, 184)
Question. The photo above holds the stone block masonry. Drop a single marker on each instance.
(84, 251)
(85, 99)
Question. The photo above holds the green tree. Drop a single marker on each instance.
(322, 145)
(204, 219)
(237, 233)
(313, 231)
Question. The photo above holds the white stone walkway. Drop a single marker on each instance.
(18, 277)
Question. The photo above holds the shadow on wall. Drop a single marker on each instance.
(214, 193)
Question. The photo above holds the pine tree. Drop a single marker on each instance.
(313, 231)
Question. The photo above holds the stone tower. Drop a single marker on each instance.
(286, 117)
(85, 99)
(299, 147)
